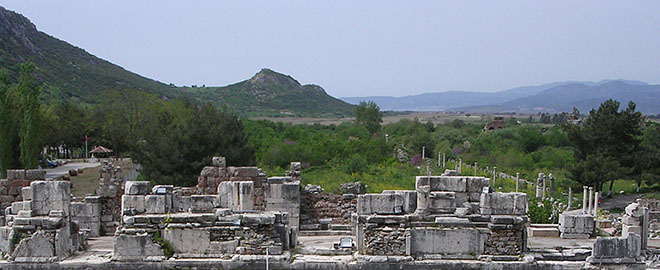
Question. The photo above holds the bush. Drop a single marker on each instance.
(541, 212)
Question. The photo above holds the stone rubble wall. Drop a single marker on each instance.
(87, 215)
(110, 190)
(320, 210)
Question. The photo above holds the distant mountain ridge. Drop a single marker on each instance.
(70, 73)
(550, 98)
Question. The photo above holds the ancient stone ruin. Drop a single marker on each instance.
(250, 221)
(444, 217)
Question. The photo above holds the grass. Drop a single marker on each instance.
(85, 183)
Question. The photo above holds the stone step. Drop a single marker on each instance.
(543, 232)
(324, 233)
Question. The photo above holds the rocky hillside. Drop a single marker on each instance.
(70, 73)
(66, 71)
(269, 93)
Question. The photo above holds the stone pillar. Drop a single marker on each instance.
(460, 165)
(439, 154)
(539, 185)
(591, 201)
(494, 176)
(584, 199)
(423, 151)
(517, 181)
(475, 168)
(235, 195)
(596, 204)
(444, 158)
(423, 188)
(552, 185)
(544, 188)
(645, 228)
(247, 195)
(570, 198)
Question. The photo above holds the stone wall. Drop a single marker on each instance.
(576, 225)
(455, 218)
(87, 215)
(11, 188)
(326, 208)
(110, 190)
(203, 226)
(42, 225)
(282, 194)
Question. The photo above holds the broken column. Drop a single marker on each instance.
(576, 225)
(539, 185)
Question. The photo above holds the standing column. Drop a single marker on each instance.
(494, 176)
(584, 199)
(596, 204)
(645, 228)
(439, 154)
(444, 158)
(423, 151)
(517, 181)
(544, 185)
(591, 200)
(460, 165)
(475, 169)
(570, 198)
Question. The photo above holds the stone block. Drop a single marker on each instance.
(449, 241)
(628, 230)
(219, 162)
(155, 204)
(443, 183)
(39, 245)
(246, 191)
(450, 221)
(632, 221)
(634, 210)
(180, 203)
(209, 172)
(15, 174)
(384, 204)
(92, 199)
(617, 247)
(261, 219)
(497, 203)
(137, 187)
(50, 195)
(35, 174)
(26, 192)
(188, 240)
(203, 203)
(133, 204)
(441, 202)
(476, 184)
(135, 248)
(225, 194)
(246, 172)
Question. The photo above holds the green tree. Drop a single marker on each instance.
(369, 115)
(182, 139)
(67, 126)
(8, 134)
(30, 131)
(605, 144)
(648, 156)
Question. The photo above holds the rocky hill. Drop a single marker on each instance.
(269, 93)
(66, 71)
(70, 73)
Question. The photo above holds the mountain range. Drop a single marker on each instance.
(70, 73)
(549, 98)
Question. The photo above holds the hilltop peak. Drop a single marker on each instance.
(268, 77)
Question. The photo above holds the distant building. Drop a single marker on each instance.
(495, 124)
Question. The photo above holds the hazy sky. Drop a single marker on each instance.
(359, 48)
